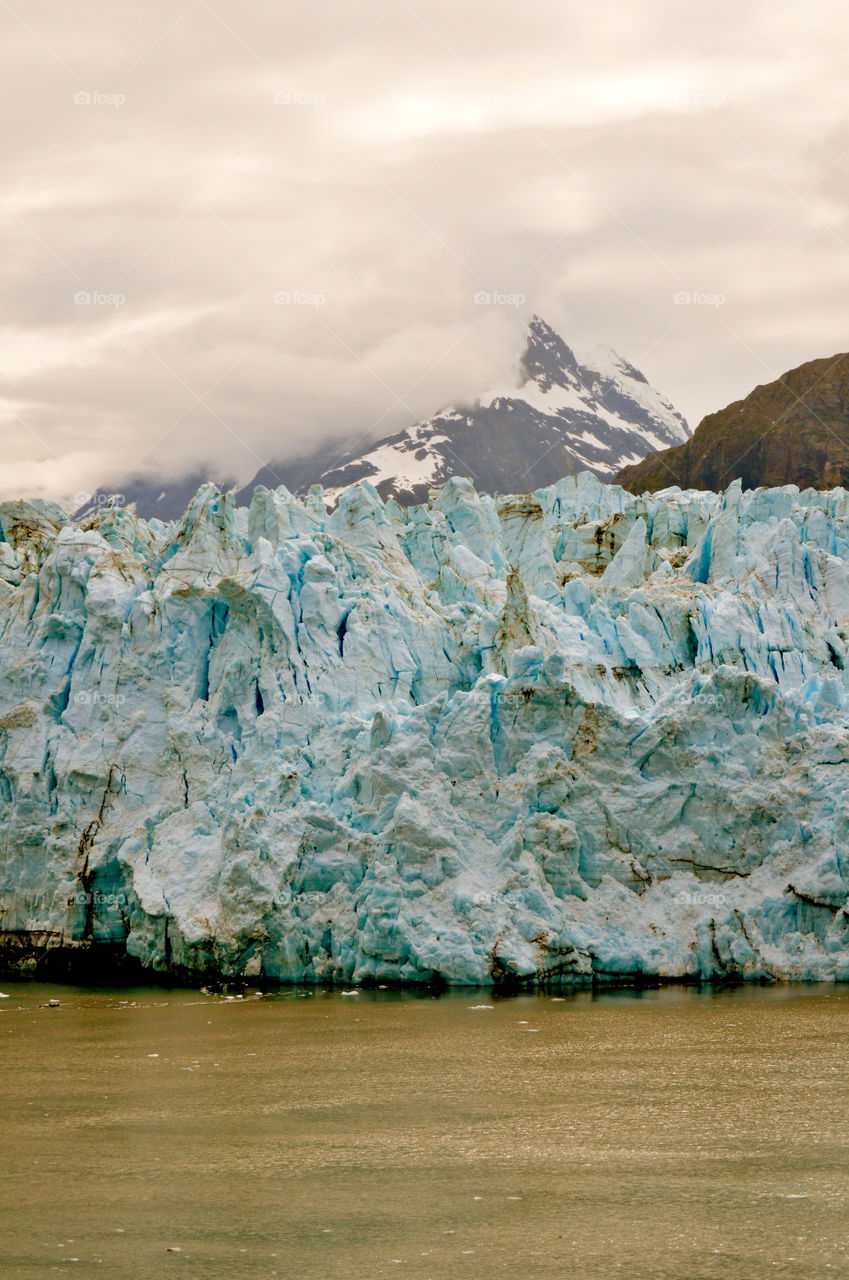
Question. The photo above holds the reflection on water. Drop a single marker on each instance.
(673, 1135)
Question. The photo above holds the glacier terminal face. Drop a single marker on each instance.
(576, 735)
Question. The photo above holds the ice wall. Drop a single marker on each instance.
(576, 734)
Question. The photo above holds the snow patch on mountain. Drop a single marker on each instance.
(408, 464)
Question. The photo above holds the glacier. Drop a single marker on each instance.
(575, 736)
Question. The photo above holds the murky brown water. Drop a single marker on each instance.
(673, 1135)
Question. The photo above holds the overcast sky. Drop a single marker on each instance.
(379, 162)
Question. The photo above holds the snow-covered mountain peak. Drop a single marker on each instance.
(568, 411)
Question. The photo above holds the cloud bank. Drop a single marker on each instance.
(231, 231)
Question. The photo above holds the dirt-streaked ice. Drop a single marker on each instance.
(574, 733)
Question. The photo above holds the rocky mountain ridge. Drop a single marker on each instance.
(794, 430)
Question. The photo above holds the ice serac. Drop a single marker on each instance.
(575, 735)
